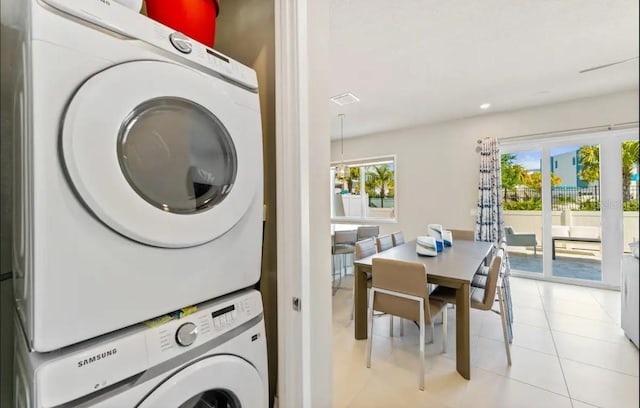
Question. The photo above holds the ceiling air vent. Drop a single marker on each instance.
(345, 99)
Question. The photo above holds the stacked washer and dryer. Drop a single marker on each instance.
(137, 193)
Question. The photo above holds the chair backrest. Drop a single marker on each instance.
(368, 232)
(345, 237)
(462, 235)
(398, 238)
(404, 277)
(365, 248)
(492, 281)
(384, 242)
(509, 230)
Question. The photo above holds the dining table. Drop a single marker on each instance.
(454, 268)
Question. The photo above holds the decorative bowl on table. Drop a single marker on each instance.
(426, 246)
(435, 231)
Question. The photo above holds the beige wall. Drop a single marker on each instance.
(245, 31)
(437, 165)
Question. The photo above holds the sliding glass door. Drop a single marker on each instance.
(630, 193)
(579, 205)
(522, 203)
(576, 245)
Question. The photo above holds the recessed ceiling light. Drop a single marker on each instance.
(345, 99)
(485, 106)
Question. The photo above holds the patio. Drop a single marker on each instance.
(563, 266)
(566, 265)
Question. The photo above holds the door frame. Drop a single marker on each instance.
(610, 143)
(303, 213)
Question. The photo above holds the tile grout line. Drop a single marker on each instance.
(605, 309)
(524, 382)
(555, 346)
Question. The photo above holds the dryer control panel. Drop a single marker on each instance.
(82, 369)
(122, 20)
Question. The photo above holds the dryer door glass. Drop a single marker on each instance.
(212, 399)
(177, 155)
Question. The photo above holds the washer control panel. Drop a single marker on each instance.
(79, 370)
(210, 321)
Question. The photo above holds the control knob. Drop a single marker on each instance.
(186, 334)
(180, 42)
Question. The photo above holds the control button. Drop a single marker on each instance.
(186, 334)
(223, 320)
(180, 42)
(216, 323)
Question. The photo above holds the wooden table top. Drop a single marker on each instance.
(458, 262)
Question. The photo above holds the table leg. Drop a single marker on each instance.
(553, 249)
(360, 303)
(463, 354)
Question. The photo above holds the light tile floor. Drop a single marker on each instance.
(568, 351)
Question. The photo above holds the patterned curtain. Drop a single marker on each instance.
(490, 217)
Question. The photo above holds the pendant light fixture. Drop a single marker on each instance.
(343, 170)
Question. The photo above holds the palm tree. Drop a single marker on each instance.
(380, 179)
(352, 177)
(630, 159)
(589, 159)
(513, 174)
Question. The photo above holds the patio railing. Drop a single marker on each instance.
(574, 198)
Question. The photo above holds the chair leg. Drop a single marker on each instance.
(444, 330)
(333, 277)
(433, 332)
(422, 363)
(370, 326)
(503, 318)
(353, 297)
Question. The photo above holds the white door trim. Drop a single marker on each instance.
(303, 213)
(289, 211)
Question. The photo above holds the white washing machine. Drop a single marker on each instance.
(215, 357)
(138, 170)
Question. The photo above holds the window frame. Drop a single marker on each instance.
(364, 162)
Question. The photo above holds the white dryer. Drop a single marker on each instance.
(138, 169)
(215, 357)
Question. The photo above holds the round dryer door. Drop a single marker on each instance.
(163, 154)
(215, 382)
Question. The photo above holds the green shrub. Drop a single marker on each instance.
(590, 206)
(565, 200)
(631, 205)
(534, 204)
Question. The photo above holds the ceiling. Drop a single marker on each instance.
(413, 62)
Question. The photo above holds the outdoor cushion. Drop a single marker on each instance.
(585, 232)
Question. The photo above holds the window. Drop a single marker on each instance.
(367, 191)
